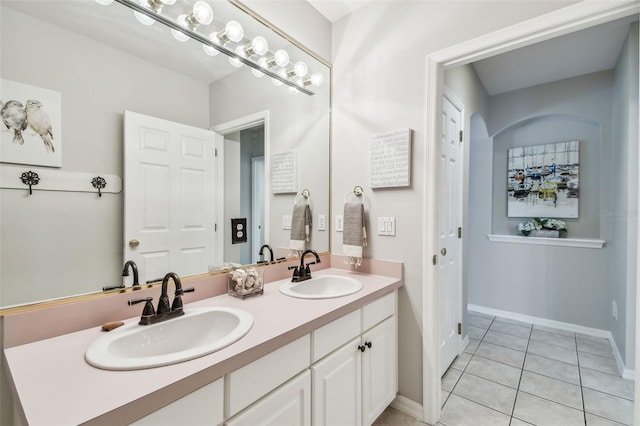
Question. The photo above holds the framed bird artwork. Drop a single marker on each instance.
(31, 128)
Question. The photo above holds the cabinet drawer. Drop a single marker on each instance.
(255, 380)
(199, 408)
(379, 310)
(330, 337)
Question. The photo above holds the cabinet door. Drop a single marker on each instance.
(379, 369)
(289, 405)
(337, 387)
(202, 407)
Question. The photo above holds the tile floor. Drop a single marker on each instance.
(513, 373)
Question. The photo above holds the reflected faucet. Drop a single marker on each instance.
(303, 272)
(261, 253)
(134, 268)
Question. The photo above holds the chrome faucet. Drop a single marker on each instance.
(164, 311)
(303, 272)
(134, 268)
(261, 252)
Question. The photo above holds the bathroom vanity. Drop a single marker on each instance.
(335, 359)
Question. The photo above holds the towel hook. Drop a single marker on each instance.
(358, 190)
(306, 193)
(30, 178)
(99, 183)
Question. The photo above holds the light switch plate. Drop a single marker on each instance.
(339, 223)
(387, 226)
(286, 221)
(322, 222)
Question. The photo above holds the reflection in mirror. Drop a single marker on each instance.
(102, 61)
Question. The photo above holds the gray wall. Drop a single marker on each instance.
(60, 243)
(557, 283)
(624, 197)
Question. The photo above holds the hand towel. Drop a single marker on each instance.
(354, 232)
(300, 227)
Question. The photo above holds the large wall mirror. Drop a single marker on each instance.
(103, 61)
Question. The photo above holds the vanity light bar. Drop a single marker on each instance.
(204, 40)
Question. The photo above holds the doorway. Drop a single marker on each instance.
(570, 19)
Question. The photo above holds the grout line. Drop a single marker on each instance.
(485, 406)
(513, 409)
(584, 408)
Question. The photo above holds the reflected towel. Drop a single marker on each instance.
(300, 228)
(354, 232)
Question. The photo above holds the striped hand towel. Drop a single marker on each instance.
(300, 228)
(354, 232)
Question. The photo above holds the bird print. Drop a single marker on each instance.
(40, 123)
(14, 117)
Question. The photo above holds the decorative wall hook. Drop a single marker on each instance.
(30, 178)
(99, 183)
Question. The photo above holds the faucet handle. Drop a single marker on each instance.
(177, 299)
(148, 310)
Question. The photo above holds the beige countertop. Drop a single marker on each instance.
(55, 385)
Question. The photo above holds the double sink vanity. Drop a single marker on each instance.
(321, 351)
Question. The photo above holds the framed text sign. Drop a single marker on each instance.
(390, 159)
(284, 173)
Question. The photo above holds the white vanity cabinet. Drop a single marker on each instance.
(354, 384)
(201, 407)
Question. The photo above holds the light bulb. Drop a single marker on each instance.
(282, 73)
(259, 45)
(315, 79)
(293, 90)
(202, 13)
(281, 58)
(234, 31)
(142, 18)
(263, 64)
(210, 50)
(104, 2)
(300, 69)
(235, 61)
(178, 35)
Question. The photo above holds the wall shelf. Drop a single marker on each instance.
(559, 242)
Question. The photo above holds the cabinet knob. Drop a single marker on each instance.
(134, 243)
(362, 348)
(368, 344)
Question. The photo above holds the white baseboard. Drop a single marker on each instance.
(463, 344)
(407, 406)
(626, 373)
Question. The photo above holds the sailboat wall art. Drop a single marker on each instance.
(30, 131)
(544, 180)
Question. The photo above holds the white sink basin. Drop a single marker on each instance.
(322, 287)
(200, 331)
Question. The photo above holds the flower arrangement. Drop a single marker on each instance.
(541, 224)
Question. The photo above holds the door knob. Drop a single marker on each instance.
(134, 243)
(443, 252)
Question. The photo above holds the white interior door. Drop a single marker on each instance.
(170, 196)
(257, 206)
(449, 265)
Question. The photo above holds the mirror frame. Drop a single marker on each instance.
(98, 295)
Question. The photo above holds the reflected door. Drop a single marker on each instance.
(170, 197)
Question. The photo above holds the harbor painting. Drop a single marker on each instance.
(544, 180)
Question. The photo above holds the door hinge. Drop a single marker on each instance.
(461, 133)
(459, 328)
(435, 259)
(459, 232)
(215, 227)
(215, 152)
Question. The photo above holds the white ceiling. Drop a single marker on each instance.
(583, 52)
(333, 10)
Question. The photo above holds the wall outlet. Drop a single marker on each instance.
(322, 222)
(614, 310)
(286, 221)
(339, 223)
